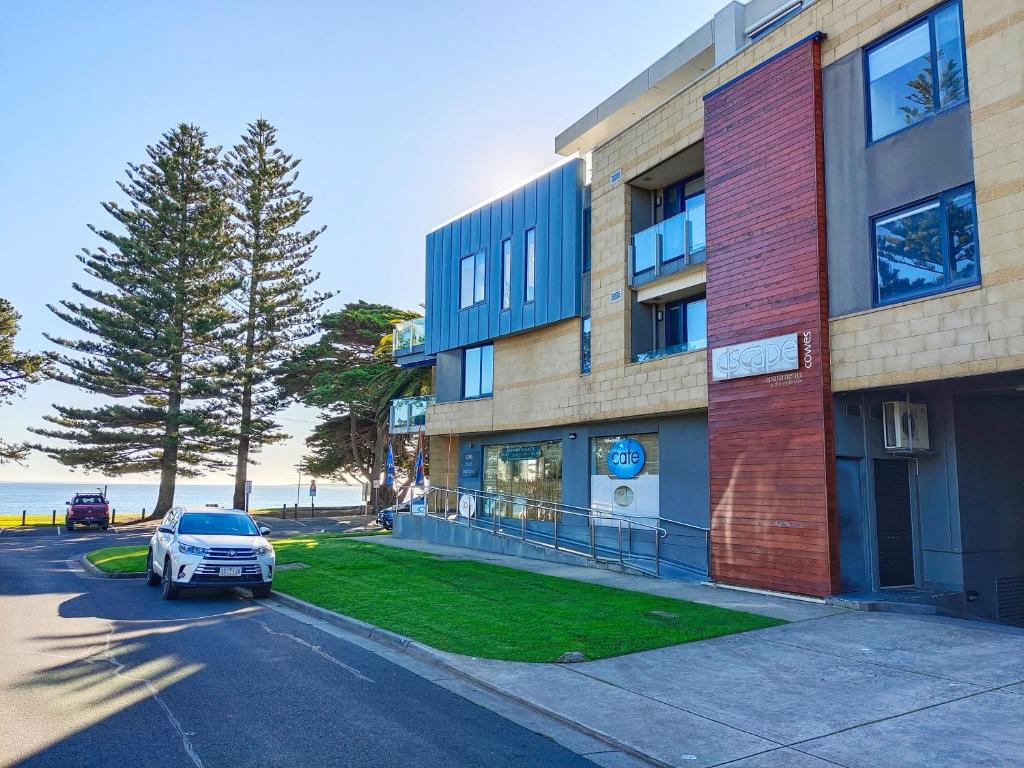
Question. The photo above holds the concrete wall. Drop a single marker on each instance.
(863, 181)
(683, 479)
(933, 492)
(990, 467)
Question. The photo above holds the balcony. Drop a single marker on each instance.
(675, 349)
(409, 414)
(408, 337)
(668, 247)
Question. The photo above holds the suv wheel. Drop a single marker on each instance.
(69, 525)
(151, 577)
(167, 589)
(261, 592)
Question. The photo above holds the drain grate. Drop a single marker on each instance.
(1010, 599)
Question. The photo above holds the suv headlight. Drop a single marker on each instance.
(267, 550)
(188, 549)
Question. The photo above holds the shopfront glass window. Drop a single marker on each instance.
(634, 493)
(526, 479)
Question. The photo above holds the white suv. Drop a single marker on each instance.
(209, 548)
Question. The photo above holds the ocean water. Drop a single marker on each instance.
(42, 498)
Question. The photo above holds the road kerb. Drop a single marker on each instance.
(93, 570)
(439, 659)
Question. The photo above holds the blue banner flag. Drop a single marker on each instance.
(420, 479)
(389, 469)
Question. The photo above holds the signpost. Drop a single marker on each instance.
(248, 493)
(312, 498)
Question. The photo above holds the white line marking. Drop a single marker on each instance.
(317, 650)
(107, 655)
(119, 669)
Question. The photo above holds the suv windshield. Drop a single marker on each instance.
(87, 498)
(219, 523)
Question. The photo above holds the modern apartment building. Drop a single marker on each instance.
(775, 292)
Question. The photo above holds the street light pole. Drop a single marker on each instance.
(298, 485)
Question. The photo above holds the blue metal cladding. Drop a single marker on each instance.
(553, 205)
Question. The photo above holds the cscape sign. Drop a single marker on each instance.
(755, 358)
(626, 458)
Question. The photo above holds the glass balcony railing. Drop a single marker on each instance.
(409, 414)
(408, 337)
(675, 349)
(668, 247)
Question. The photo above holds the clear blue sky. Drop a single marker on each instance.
(403, 114)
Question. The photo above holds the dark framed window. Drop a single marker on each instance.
(472, 279)
(506, 273)
(531, 265)
(585, 345)
(916, 72)
(926, 248)
(478, 372)
(686, 323)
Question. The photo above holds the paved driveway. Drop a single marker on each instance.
(100, 673)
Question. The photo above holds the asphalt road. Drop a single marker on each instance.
(101, 673)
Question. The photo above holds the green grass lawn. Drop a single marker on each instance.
(485, 610)
(14, 521)
(474, 608)
(119, 559)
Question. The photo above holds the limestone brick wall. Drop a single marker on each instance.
(537, 380)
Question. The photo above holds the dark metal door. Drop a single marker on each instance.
(854, 566)
(893, 524)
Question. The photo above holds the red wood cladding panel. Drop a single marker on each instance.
(771, 447)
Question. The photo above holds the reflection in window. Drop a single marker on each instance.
(531, 264)
(526, 475)
(903, 71)
(466, 282)
(506, 273)
(927, 248)
(585, 346)
(472, 279)
(478, 372)
(685, 329)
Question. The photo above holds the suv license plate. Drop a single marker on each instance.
(230, 571)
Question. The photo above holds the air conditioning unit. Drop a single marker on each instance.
(905, 426)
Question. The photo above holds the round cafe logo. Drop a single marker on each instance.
(626, 458)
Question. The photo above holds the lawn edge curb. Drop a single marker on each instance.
(95, 571)
(438, 659)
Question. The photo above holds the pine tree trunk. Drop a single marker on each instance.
(169, 457)
(242, 462)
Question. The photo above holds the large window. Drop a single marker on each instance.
(634, 493)
(478, 372)
(927, 248)
(506, 273)
(524, 473)
(472, 279)
(917, 72)
(531, 264)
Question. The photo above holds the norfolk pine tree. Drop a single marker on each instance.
(270, 254)
(151, 337)
(17, 369)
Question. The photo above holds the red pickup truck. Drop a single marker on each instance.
(87, 509)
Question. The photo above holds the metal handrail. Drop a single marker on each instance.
(571, 508)
(622, 552)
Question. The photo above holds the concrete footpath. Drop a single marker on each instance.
(833, 687)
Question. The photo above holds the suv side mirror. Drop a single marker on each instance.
(264, 530)
(165, 529)
(67, 503)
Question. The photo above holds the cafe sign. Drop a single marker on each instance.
(755, 358)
